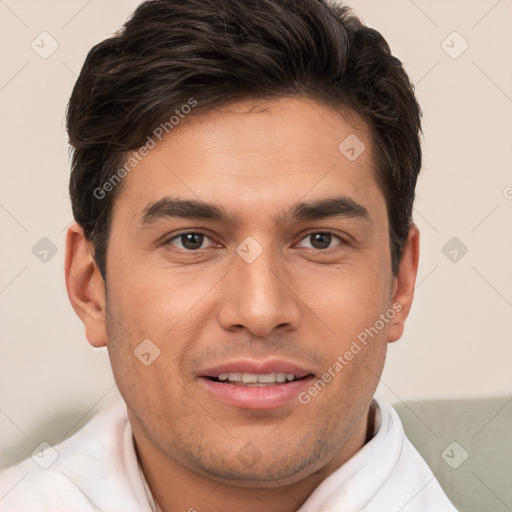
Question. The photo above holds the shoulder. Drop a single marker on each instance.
(410, 484)
(94, 468)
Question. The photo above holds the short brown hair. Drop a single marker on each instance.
(221, 51)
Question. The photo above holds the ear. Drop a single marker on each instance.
(404, 283)
(85, 286)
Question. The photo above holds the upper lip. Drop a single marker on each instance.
(256, 367)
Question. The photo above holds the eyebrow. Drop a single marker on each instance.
(175, 207)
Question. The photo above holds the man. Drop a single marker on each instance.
(242, 182)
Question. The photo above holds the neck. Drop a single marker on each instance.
(176, 488)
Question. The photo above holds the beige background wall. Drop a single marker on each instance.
(458, 340)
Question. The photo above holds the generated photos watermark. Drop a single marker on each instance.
(151, 142)
(342, 360)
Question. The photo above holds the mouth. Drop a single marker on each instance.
(254, 385)
(257, 380)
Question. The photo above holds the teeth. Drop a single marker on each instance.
(235, 377)
(266, 378)
(256, 379)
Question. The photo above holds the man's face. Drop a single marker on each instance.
(256, 293)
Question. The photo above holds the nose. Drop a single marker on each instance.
(257, 297)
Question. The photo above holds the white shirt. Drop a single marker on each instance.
(97, 469)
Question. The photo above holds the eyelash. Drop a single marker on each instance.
(341, 240)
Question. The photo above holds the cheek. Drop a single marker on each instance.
(149, 296)
(354, 341)
(346, 301)
(168, 306)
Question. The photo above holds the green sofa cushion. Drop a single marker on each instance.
(468, 446)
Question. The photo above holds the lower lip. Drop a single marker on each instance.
(256, 397)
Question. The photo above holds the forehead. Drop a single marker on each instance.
(257, 154)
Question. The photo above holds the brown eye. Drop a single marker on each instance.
(321, 240)
(189, 241)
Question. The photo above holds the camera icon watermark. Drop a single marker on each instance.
(249, 454)
(454, 455)
(44, 455)
(44, 250)
(44, 45)
(352, 147)
(147, 352)
(454, 45)
(249, 249)
(454, 249)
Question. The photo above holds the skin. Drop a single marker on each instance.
(296, 301)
